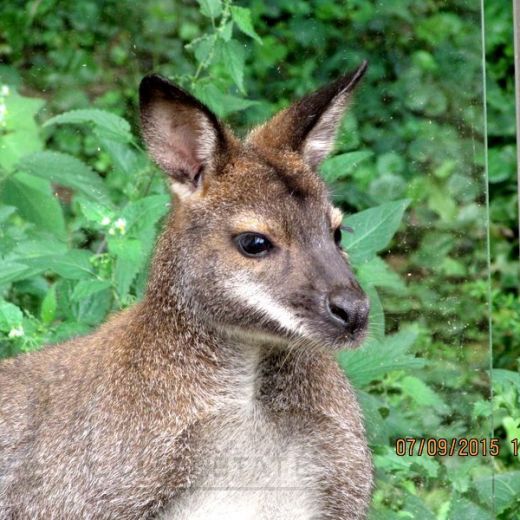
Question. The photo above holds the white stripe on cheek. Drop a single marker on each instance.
(257, 297)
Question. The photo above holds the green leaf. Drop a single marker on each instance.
(32, 248)
(390, 162)
(501, 163)
(129, 261)
(95, 212)
(203, 47)
(392, 462)
(93, 308)
(462, 508)
(11, 316)
(377, 273)
(416, 507)
(506, 490)
(123, 156)
(109, 124)
(48, 307)
(375, 359)
(222, 104)
(422, 394)
(233, 56)
(443, 203)
(146, 212)
(505, 378)
(86, 288)
(11, 271)
(242, 17)
(73, 265)
(374, 423)
(23, 135)
(227, 32)
(35, 202)
(210, 8)
(6, 212)
(342, 165)
(373, 230)
(65, 170)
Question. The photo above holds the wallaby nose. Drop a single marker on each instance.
(348, 309)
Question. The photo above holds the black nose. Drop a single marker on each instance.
(348, 309)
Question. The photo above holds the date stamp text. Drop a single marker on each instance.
(455, 447)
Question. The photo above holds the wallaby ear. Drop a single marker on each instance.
(181, 133)
(310, 125)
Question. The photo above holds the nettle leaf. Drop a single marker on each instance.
(86, 288)
(232, 54)
(422, 394)
(373, 230)
(222, 104)
(340, 166)
(6, 212)
(377, 358)
(505, 378)
(227, 31)
(124, 158)
(93, 309)
(48, 307)
(94, 212)
(375, 425)
(242, 17)
(392, 462)
(417, 508)
(377, 273)
(144, 213)
(11, 316)
(23, 134)
(73, 265)
(31, 248)
(210, 8)
(35, 202)
(129, 261)
(65, 170)
(109, 124)
(463, 508)
(13, 271)
(203, 47)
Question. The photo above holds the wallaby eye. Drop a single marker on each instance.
(253, 244)
(337, 236)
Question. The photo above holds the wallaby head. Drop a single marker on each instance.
(253, 244)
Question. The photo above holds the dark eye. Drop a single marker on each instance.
(253, 244)
(337, 236)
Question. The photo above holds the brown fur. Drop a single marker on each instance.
(123, 423)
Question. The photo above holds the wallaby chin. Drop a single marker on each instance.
(218, 395)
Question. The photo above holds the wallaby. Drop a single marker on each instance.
(218, 395)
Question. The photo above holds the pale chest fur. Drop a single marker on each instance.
(255, 459)
(250, 468)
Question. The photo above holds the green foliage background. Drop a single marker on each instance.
(80, 203)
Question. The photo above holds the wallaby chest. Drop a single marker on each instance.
(250, 466)
(264, 453)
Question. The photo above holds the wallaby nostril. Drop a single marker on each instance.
(339, 313)
(348, 310)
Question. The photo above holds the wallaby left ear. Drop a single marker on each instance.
(181, 133)
(310, 125)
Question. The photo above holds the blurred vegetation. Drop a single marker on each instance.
(74, 188)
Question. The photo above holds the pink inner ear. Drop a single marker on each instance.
(184, 143)
(178, 140)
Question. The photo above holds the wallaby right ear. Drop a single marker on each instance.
(181, 133)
